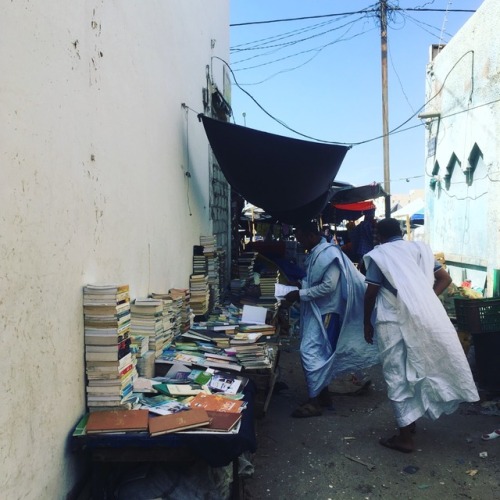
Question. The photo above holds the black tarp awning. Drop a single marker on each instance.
(290, 179)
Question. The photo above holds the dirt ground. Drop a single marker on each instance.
(313, 457)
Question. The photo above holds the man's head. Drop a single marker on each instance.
(370, 214)
(388, 228)
(308, 234)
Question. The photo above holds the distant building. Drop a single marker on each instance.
(462, 168)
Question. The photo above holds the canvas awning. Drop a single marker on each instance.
(409, 210)
(417, 217)
(337, 212)
(291, 179)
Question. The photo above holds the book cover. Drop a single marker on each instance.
(182, 390)
(215, 402)
(223, 421)
(117, 421)
(164, 424)
(227, 382)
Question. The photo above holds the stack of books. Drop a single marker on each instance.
(268, 280)
(199, 260)
(186, 315)
(109, 364)
(169, 315)
(261, 329)
(211, 253)
(252, 356)
(147, 321)
(200, 294)
(237, 286)
(246, 262)
(139, 345)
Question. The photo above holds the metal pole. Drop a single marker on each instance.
(385, 105)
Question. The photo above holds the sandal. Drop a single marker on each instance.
(394, 445)
(491, 435)
(306, 410)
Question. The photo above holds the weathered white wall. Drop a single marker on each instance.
(94, 147)
(464, 221)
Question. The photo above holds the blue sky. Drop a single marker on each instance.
(326, 82)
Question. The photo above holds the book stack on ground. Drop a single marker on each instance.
(186, 315)
(147, 321)
(170, 329)
(199, 293)
(109, 365)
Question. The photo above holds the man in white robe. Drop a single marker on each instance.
(331, 315)
(423, 362)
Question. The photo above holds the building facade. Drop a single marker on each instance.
(462, 168)
(106, 176)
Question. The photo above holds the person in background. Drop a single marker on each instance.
(364, 237)
(423, 362)
(327, 233)
(331, 305)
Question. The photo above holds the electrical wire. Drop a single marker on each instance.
(287, 70)
(372, 8)
(397, 129)
(263, 42)
(317, 50)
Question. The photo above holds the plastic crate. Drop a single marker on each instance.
(486, 349)
(478, 315)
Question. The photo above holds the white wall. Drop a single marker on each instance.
(93, 152)
(463, 220)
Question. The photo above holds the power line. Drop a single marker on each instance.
(250, 23)
(369, 9)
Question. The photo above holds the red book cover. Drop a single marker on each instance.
(215, 402)
(117, 421)
(182, 420)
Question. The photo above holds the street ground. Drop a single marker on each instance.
(337, 455)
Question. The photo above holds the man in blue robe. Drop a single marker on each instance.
(331, 319)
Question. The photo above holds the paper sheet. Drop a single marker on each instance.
(281, 290)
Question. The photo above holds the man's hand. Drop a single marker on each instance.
(369, 333)
(293, 296)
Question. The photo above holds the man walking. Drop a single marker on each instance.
(423, 362)
(331, 305)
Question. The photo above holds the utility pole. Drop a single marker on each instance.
(385, 105)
